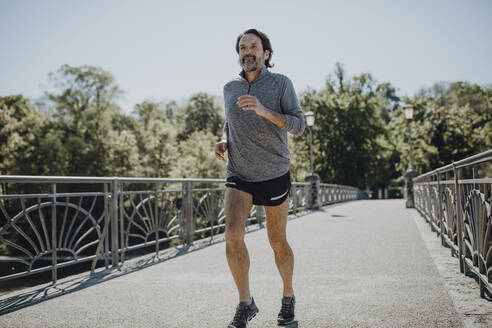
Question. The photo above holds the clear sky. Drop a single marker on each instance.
(168, 50)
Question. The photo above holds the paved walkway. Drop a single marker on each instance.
(359, 264)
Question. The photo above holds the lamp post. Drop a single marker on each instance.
(310, 122)
(409, 115)
(313, 200)
(411, 173)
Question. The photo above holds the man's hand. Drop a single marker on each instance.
(252, 103)
(248, 102)
(220, 149)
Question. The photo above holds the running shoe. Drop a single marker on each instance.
(244, 313)
(286, 314)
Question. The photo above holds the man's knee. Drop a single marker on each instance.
(278, 242)
(234, 232)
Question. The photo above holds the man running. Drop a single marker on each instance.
(260, 107)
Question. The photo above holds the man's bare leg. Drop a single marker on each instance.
(284, 257)
(237, 207)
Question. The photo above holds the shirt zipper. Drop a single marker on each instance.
(249, 87)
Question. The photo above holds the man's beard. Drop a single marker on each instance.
(249, 65)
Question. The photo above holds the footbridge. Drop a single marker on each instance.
(154, 252)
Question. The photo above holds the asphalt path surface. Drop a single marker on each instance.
(357, 264)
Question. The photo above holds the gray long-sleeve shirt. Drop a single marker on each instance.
(258, 149)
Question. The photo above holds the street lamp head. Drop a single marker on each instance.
(408, 111)
(309, 118)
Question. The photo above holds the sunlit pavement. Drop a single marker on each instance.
(358, 264)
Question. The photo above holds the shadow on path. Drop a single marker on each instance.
(75, 283)
(81, 281)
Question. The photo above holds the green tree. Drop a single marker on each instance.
(425, 154)
(452, 121)
(349, 137)
(156, 139)
(196, 158)
(299, 157)
(20, 125)
(202, 113)
(86, 112)
(121, 157)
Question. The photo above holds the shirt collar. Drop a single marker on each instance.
(263, 73)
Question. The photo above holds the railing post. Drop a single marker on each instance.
(450, 235)
(459, 218)
(314, 194)
(322, 195)
(54, 258)
(107, 223)
(439, 209)
(428, 211)
(409, 175)
(123, 242)
(156, 221)
(188, 212)
(114, 224)
(103, 244)
(305, 192)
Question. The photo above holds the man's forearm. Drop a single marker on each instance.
(274, 117)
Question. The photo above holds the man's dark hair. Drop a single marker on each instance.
(265, 43)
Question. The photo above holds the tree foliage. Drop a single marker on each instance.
(85, 102)
(452, 121)
(360, 137)
(349, 134)
(202, 113)
(81, 131)
(21, 125)
(156, 139)
(196, 158)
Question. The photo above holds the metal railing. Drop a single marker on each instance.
(331, 193)
(71, 220)
(455, 200)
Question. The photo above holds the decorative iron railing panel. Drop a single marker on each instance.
(70, 220)
(47, 231)
(456, 201)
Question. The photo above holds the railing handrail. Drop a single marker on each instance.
(472, 160)
(339, 186)
(90, 179)
(458, 209)
(79, 179)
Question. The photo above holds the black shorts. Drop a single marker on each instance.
(268, 193)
